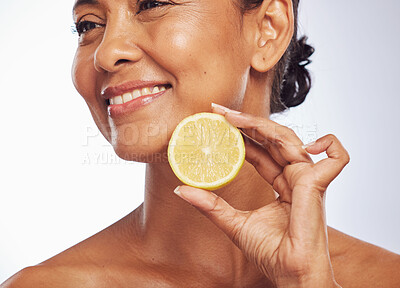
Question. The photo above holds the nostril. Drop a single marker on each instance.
(110, 55)
(121, 61)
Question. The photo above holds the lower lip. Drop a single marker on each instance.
(118, 110)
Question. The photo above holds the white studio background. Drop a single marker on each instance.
(61, 183)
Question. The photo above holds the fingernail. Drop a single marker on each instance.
(308, 145)
(225, 109)
(177, 192)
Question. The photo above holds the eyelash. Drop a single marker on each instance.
(151, 4)
(82, 28)
(143, 5)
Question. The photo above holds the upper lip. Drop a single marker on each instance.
(126, 87)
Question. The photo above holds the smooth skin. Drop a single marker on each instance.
(287, 239)
(209, 53)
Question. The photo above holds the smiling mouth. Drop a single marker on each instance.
(137, 93)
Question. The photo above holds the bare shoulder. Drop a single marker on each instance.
(40, 277)
(106, 259)
(78, 276)
(74, 267)
(360, 264)
(97, 275)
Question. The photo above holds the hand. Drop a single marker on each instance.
(287, 239)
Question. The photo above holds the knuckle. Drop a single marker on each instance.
(291, 134)
(235, 228)
(257, 123)
(286, 131)
(290, 131)
(278, 184)
(235, 233)
(287, 170)
(215, 205)
(346, 157)
(285, 136)
(280, 139)
(331, 137)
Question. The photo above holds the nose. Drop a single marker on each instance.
(117, 49)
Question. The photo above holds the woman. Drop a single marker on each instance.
(241, 54)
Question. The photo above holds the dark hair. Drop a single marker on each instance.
(292, 81)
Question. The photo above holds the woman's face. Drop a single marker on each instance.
(192, 52)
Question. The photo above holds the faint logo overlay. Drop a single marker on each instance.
(97, 151)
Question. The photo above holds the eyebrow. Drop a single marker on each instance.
(84, 2)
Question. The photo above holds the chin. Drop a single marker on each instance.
(151, 153)
(141, 141)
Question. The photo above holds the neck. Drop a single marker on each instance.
(178, 235)
(174, 234)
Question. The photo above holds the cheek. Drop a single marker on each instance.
(179, 42)
(84, 79)
(208, 64)
(188, 45)
(83, 75)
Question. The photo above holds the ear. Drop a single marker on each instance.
(274, 31)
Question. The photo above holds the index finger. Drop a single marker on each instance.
(267, 132)
(338, 157)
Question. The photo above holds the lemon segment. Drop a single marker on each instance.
(206, 151)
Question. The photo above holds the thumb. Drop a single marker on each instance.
(223, 215)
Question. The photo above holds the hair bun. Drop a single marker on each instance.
(296, 79)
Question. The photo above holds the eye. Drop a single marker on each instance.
(150, 4)
(83, 27)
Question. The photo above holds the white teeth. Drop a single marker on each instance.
(127, 97)
(146, 91)
(118, 100)
(136, 94)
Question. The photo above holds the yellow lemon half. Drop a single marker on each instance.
(206, 151)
